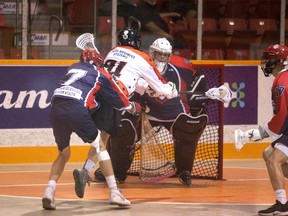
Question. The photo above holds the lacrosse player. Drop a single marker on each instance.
(128, 65)
(185, 117)
(274, 62)
(83, 102)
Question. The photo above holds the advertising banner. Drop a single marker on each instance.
(25, 93)
(243, 108)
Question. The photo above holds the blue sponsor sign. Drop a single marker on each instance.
(243, 108)
(25, 94)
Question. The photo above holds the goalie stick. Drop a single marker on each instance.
(152, 150)
(222, 93)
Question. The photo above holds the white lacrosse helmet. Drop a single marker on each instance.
(161, 51)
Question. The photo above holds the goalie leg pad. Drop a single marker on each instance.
(122, 149)
(187, 131)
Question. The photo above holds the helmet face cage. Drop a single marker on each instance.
(129, 37)
(274, 55)
(92, 57)
(160, 51)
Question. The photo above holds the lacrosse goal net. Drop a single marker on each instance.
(208, 163)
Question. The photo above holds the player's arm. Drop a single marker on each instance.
(275, 127)
(155, 80)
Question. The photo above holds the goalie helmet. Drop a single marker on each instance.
(274, 55)
(92, 57)
(129, 37)
(161, 51)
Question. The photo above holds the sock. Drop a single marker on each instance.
(111, 181)
(89, 165)
(52, 184)
(281, 195)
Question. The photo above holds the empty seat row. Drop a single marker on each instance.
(221, 54)
(241, 8)
(228, 24)
(16, 53)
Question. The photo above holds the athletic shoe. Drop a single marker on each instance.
(48, 201)
(116, 198)
(81, 177)
(277, 209)
(99, 175)
(185, 178)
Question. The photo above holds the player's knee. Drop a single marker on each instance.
(65, 154)
(267, 152)
(103, 156)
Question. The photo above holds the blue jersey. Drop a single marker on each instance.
(90, 86)
(181, 72)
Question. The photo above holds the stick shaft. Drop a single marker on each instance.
(192, 93)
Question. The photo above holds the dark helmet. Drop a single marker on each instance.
(272, 56)
(129, 37)
(92, 57)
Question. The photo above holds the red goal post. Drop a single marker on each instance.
(208, 162)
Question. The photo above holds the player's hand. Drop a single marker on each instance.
(241, 138)
(150, 92)
(174, 90)
(136, 109)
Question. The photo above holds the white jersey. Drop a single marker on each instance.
(129, 65)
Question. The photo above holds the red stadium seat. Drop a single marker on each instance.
(269, 9)
(240, 54)
(231, 24)
(262, 25)
(186, 53)
(270, 37)
(243, 39)
(207, 24)
(214, 39)
(16, 53)
(2, 20)
(189, 37)
(213, 8)
(212, 54)
(2, 54)
(237, 9)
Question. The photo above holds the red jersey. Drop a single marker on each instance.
(279, 122)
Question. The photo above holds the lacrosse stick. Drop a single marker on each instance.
(222, 93)
(86, 42)
(154, 162)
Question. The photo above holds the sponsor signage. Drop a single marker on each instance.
(243, 108)
(11, 7)
(26, 91)
(42, 39)
(25, 94)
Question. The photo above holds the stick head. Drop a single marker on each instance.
(240, 139)
(86, 42)
(222, 93)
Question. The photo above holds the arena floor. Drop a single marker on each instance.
(244, 190)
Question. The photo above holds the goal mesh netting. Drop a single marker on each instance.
(208, 162)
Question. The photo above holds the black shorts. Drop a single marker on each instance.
(69, 116)
(107, 118)
(282, 139)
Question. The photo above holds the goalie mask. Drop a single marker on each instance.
(274, 55)
(92, 57)
(161, 51)
(129, 37)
